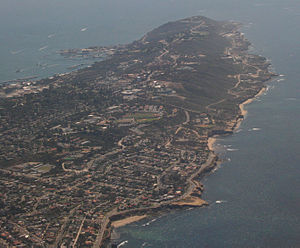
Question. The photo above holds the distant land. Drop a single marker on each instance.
(84, 152)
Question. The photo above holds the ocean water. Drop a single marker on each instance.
(258, 186)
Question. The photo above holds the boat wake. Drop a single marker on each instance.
(232, 150)
(16, 52)
(148, 223)
(220, 201)
(291, 99)
(254, 129)
(280, 80)
(122, 243)
(144, 244)
(43, 48)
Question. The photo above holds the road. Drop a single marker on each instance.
(79, 231)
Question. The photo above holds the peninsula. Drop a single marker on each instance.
(109, 144)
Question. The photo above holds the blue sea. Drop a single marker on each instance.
(254, 195)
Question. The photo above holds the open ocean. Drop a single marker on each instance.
(258, 187)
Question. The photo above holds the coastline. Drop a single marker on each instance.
(128, 220)
(210, 143)
(190, 199)
(243, 111)
(191, 195)
(213, 139)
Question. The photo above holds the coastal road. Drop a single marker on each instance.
(192, 185)
(103, 228)
(209, 163)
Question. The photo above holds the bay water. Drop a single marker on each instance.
(255, 195)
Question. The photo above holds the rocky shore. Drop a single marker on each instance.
(192, 198)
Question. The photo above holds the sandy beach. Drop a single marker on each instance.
(127, 221)
(242, 106)
(191, 201)
(210, 143)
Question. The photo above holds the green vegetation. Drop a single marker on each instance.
(125, 135)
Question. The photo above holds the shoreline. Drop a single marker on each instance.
(243, 111)
(210, 143)
(213, 139)
(190, 196)
(189, 200)
(128, 220)
(181, 204)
